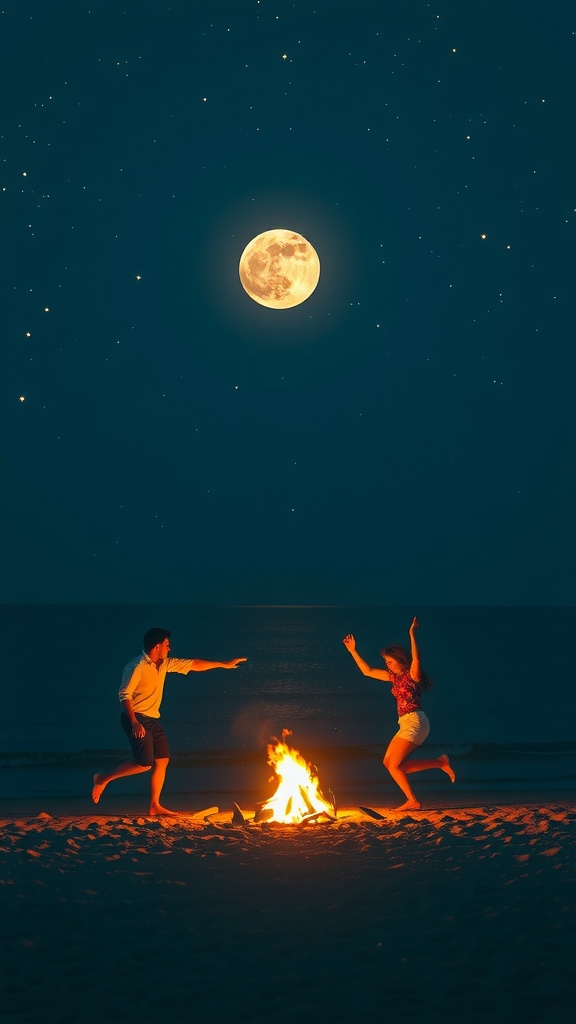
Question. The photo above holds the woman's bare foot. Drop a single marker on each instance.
(97, 788)
(410, 805)
(157, 809)
(445, 766)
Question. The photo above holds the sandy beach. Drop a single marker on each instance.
(463, 912)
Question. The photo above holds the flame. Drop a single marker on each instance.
(298, 795)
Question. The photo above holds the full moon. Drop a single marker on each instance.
(279, 269)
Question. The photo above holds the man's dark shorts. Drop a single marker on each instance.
(152, 745)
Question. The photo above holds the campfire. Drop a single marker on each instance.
(298, 798)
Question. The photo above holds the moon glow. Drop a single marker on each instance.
(279, 268)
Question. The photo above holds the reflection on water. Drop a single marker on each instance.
(259, 721)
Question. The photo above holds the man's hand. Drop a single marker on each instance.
(349, 642)
(234, 663)
(138, 730)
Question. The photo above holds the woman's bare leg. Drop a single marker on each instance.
(399, 768)
(126, 768)
(397, 752)
(431, 762)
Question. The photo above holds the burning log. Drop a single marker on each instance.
(264, 814)
(304, 796)
(312, 819)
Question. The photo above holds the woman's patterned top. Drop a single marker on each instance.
(406, 691)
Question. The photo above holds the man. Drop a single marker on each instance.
(140, 696)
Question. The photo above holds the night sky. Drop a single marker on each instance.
(403, 437)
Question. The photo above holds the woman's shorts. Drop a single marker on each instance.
(414, 727)
(153, 743)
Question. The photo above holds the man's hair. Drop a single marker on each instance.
(154, 636)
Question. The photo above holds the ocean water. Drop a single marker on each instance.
(502, 703)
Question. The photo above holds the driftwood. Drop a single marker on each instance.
(371, 812)
(238, 818)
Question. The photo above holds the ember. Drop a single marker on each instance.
(298, 797)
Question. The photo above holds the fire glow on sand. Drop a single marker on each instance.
(298, 798)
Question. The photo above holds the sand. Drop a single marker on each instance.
(461, 912)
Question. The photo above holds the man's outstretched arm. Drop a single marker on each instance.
(199, 665)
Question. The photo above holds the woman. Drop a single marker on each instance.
(404, 671)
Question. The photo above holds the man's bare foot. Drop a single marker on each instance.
(410, 805)
(97, 788)
(445, 766)
(158, 809)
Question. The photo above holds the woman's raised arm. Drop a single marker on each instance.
(415, 668)
(374, 673)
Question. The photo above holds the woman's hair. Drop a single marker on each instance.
(404, 658)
